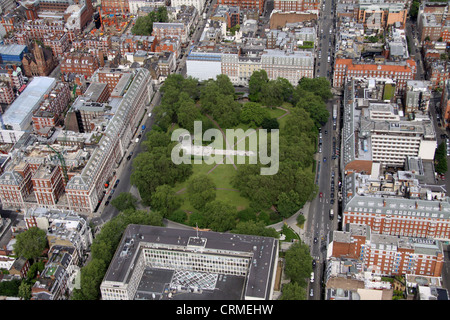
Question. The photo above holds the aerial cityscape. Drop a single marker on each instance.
(199, 150)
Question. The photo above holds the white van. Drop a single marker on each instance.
(137, 140)
(312, 276)
(150, 114)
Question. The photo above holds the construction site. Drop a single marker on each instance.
(112, 24)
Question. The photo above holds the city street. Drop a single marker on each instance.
(123, 172)
(318, 222)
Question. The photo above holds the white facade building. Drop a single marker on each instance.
(198, 4)
(134, 5)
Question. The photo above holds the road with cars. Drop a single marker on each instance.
(319, 223)
(123, 173)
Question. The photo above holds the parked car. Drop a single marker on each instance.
(320, 195)
(129, 156)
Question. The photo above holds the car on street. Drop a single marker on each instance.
(116, 183)
(311, 292)
(332, 201)
(106, 203)
(129, 156)
(324, 159)
(320, 195)
(314, 263)
(315, 240)
(109, 198)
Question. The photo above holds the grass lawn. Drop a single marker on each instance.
(221, 176)
(275, 112)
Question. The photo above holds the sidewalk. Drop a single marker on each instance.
(292, 222)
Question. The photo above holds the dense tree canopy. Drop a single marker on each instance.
(165, 201)
(123, 201)
(144, 25)
(219, 216)
(201, 190)
(30, 244)
(298, 263)
(155, 167)
(440, 158)
(104, 247)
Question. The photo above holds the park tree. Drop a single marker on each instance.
(219, 216)
(256, 228)
(187, 114)
(440, 158)
(154, 168)
(270, 124)
(271, 96)
(197, 219)
(179, 216)
(275, 92)
(91, 277)
(288, 203)
(123, 201)
(30, 244)
(298, 263)
(257, 85)
(252, 113)
(25, 290)
(165, 201)
(293, 291)
(219, 103)
(104, 246)
(225, 85)
(319, 86)
(414, 9)
(10, 288)
(201, 190)
(144, 25)
(315, 106)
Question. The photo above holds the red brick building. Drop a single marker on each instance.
(445, 104)
(40, 62)
(15, 185)
(296, 5)
(438, 72)
(110, 77)
(115, 7)
(79, 63)
(169, 45)
(48, 185)
(33, 10)
(59, 43)
(346, 69)
(244, 4)
(50, 110)
(6, 93)
(388, 255)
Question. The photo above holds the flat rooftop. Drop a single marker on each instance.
(28, 100)
(261, 252)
